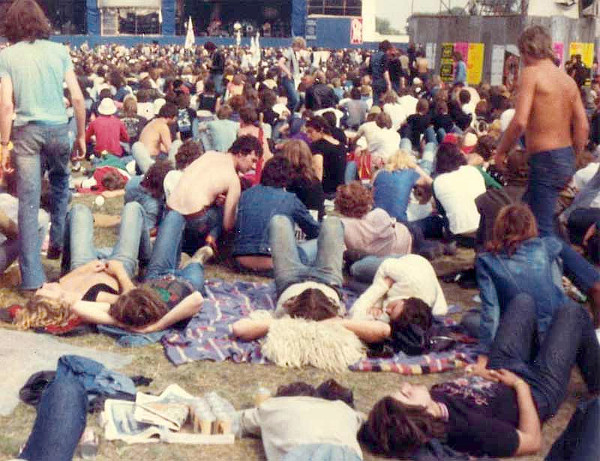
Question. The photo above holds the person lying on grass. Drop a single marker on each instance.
(101, 291)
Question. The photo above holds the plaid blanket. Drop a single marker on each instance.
(208, 335)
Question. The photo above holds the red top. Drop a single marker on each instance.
(109, 131)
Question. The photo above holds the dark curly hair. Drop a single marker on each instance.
(277, 172)
(245, 145)
(353, 200)
(154, 177)
(25, 20)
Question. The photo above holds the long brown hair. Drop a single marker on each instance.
(138, 307)
(396, 430)
(300, 156)
(25, 20)
(513, 225)
(311, 304)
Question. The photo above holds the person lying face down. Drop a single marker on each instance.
(304, 422)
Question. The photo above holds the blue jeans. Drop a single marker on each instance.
(133, 239)
(581, 439)
(60, 421)
(549, 173)
(288, 265)
(152, 206)
(217, 79)
(38, 148)
(167, 252)
(351, 173)
(198, 228)
(570, 340)
(292, 93)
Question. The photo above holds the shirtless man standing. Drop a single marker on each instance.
(550, 112)
(210, 180)
(155, 137)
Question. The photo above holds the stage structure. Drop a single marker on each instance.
(324, 23)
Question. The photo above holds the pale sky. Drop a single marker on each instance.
(397, 11)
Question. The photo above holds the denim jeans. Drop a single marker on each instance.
(428, 158)
(152, 206)
(288, 265)
(549, 172)
(581, 439)
(133, 242)
(570, 340)
(167, 252)
(38, 148)
(292, 93)
(351, 173)
(197, 229)
(9, 250)
(217, 79)
(60, 421)
(144, 160)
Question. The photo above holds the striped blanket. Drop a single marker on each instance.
(208, 335)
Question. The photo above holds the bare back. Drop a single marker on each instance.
(553, 108)
(202, 181)
(153, 134)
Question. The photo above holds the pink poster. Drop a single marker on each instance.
(559, 52)
(463, 48)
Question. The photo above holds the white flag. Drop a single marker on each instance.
(190, 39)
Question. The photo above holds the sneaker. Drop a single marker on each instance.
(202, 255)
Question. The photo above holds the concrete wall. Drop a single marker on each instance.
(499, 30)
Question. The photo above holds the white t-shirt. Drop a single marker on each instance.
(398, 113)
(413, 277)
(384, 143)
(285, 423)
(457, 192)
(583, 176)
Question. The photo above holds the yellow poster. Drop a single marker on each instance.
(475, 63)
(586, 51)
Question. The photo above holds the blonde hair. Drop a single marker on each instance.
(401, 160)
(41, 311)
(299, 42)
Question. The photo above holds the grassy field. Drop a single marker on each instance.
(236, 382)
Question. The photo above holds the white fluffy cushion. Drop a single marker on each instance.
(294, 342)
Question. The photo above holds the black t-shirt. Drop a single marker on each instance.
(207, 102)
(443, 121)
(417, 124)
(310, 193)
(339, 135)
(218, 63)
(334, 163)
(483, 416)
(461, 119)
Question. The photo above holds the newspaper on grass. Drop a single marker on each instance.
(152, 419)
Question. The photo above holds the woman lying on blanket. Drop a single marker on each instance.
(312, 292)
(100, 291)
(498, 413)
(302, 422)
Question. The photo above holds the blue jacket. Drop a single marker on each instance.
(256, 207)
(532, 269)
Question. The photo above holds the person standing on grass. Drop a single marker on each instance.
(32, 72)
(553, 139)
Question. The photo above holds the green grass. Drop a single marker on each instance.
(236, 382)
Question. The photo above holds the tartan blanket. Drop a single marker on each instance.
(208, 335)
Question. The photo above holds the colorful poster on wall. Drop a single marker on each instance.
(510, 72)
(497, 65)
(463, 49)
(356, 31)
(446, 63)
(559, 52)
(586, 51)
(475, 63)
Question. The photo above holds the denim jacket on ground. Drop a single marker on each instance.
(532, 269)
(256, 208)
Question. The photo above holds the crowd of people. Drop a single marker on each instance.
(310, 166)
